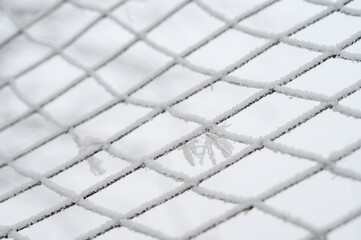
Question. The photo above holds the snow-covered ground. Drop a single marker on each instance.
(143, 119)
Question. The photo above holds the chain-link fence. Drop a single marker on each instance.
(180, 120)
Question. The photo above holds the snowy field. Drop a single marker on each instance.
(159, 119)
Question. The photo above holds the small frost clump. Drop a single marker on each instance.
(94, 163)
(204, 145)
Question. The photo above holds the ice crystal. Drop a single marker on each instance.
(202, 146)
(94, 163)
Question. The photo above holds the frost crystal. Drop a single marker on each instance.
(95, 166)
(94, 163)
(204, 145)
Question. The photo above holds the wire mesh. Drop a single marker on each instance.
(211, 130)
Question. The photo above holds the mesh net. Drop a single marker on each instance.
(174, 119)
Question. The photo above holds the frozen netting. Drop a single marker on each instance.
(157, 119)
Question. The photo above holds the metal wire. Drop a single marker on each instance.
(188, 184)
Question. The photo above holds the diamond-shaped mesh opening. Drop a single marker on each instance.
(329, 73)
(180, 119)
(27, 204)
(276, 168)
(277, 62)
(89, 48)
(32, 130)
(178, 80)
(282, 16)
(323, 205)
(213, 100)
(315, 135)
(10, 179)
(319, 33)
(132, 67)
(232, 8)
(134, 191)
(176, 218)
(60, 150)
(112, 121)
(184, 29)
(20, 54)
(268, 114)
(248, 225)
(50, 78)
(90, 172)
(78, 101)
(141, 15)
(60, 223)
(18, 108)
(61, 25)
(150, 137)
(215, 56)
